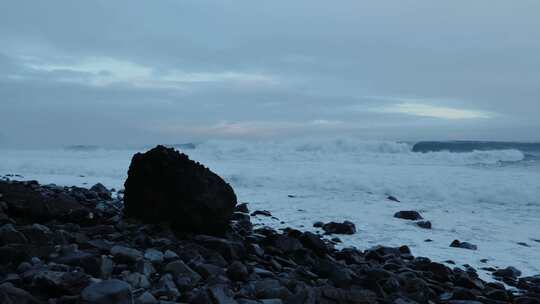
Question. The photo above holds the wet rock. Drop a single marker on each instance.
(243, 207)
(135, 279)
(164, 185)
(464, 245)
(38, 234)
(287, 244)
(154, 256)
(508, 272)
(91, 263)
(105, 292)
(167, 288)
(25, 199)
(408, 215)
(346, 227)
(393, 198)
(170, 255)
(498, 294)
(10, 235)
(318, 224)
(179, 268)
(221, 295)
(526, 300)
(56, 283)
(314, 242)
(126, 254)
(146, 298)
(237, 271)
(101, 191)
(261, 212)
(9, 294)
(424, 224)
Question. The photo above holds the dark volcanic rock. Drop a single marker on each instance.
(110, 291)
(101, 191)
(261, 212)
(339, 228)
(464, 245)
(164, 185)
(424, 224)
(29, 200)
(393, 198)
(508, 272)
(408, 215)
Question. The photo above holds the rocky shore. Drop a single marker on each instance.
(177, 235)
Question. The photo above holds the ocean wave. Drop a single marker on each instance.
(351, 150)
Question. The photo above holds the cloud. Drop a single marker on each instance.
(426, 110)
(105, 71)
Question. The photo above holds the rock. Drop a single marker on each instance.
(154, 256)
(170, 255)
(464, 245)
(126, 254)
(424, 224)
(318, 224)
(221, 295)
(393, 198)
(10, 235)
(242, 208)
(287, 244)
(339, 228)
(146, 298)
(408, 215)
(179, 268)
(237, 271)
(498, 294)
(261, 212)
(135, 279)
(38, 234)
(107, 292)
(164, 185)
(56, 283)
(24, 199)
(101, 191)
(10, 294)
(508, 272)
(314, 242)
(526, 300)
(89, 262)
(167, 288)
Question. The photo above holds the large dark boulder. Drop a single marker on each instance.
(164, 185)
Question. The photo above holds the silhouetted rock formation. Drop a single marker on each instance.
(164, 185)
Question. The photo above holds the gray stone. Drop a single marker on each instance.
(170, 255)
(154, 256)
(146, 298)
(179, 268)
(107, 292)
(136, 280)
(10, 235)
(126, 254)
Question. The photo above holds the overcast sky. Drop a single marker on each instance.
(104, 72)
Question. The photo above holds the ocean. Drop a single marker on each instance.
(484, 193)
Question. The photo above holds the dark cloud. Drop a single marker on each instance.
(139, 72)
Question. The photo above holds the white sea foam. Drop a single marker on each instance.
(474, 196)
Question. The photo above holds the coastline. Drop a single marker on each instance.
(55, 252)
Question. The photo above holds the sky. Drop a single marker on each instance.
(140, 72)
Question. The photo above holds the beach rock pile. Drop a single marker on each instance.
(91, 252)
